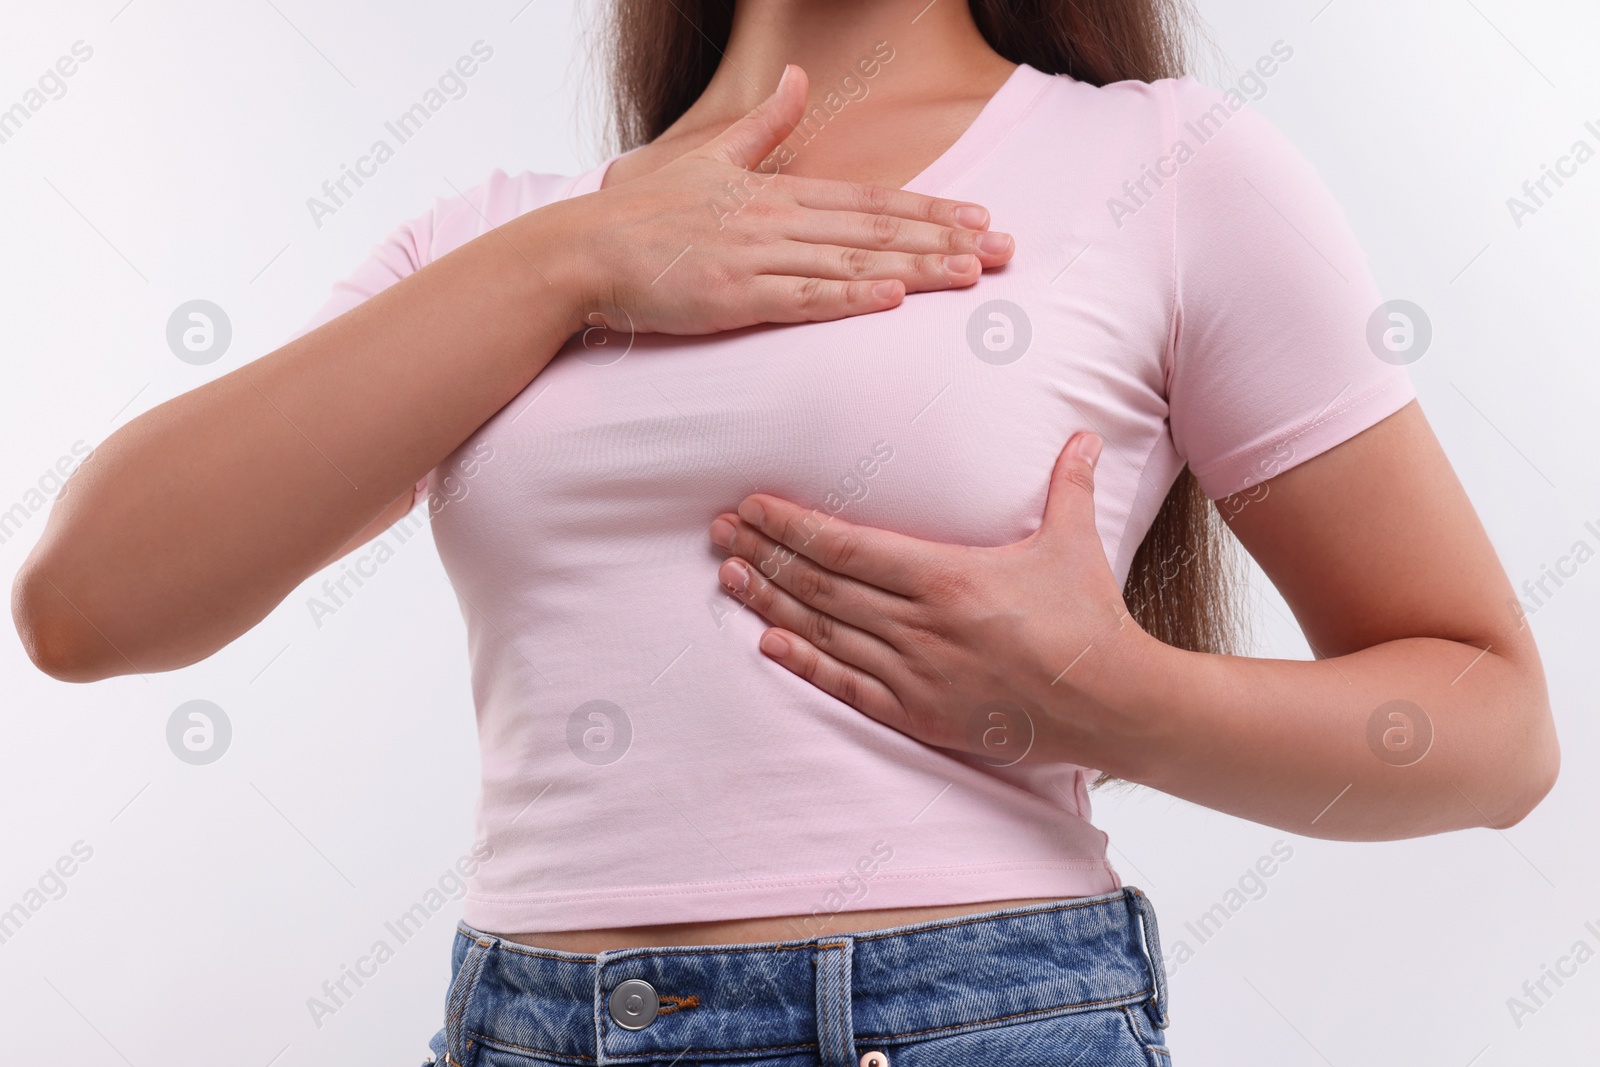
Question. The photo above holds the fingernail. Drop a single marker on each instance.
(751, 512)
(993, 244)
(972, 216)
(1088, 448)
(883, 290)
(960, 264)
(735, 576)
(722, 532)
(773, 644)
(787, 67)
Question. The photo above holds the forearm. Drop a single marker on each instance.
(1313, 747)
(193, 521)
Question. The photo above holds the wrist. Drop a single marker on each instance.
(1105, 711)
(551, 248)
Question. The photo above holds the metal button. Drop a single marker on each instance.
(634, 1004)
(874, 1059)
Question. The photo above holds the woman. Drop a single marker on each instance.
(700, 358)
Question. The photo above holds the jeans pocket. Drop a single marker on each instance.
(1149, 1038)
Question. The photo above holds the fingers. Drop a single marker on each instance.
(839, 680)
(919, 273)
(823, 631)
(751, 139)
(779, 298)
(783, 573)
(1071, 494)
(825, 194)
(891, 233)
(922, 256)
(889, 561)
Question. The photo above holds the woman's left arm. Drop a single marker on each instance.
(1424, 711)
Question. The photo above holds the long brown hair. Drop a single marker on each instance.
(1184, 581)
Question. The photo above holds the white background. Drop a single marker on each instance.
(219, 898)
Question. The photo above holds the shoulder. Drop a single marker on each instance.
(1135, 107)
(452, 221)
(1170, 116)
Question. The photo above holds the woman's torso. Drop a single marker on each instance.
(643, 764)
(641, 759)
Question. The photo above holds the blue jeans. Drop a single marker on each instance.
(1076, 981)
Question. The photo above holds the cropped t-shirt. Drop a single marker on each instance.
(1183, 285)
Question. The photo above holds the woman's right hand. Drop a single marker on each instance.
(674, 252)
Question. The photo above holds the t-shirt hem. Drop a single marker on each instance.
(1338, 424)
(814, 898)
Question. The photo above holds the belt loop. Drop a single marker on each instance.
(460, 999)
(836, 1038)
(1156, 1006)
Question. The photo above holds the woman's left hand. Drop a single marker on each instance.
(995, 651)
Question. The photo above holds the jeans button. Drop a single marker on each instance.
(634, 1004)
(874, 1059)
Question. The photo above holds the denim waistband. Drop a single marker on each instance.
(826, 993)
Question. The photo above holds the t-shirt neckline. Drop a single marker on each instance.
(994, 120)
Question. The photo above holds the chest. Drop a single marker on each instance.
(940, 418)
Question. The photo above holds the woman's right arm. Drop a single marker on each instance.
(189, 524)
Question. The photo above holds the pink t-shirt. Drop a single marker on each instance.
(1183, 285)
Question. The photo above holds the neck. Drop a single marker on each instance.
(938, 53)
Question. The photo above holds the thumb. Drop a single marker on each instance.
(750, 140)
(1071, 497)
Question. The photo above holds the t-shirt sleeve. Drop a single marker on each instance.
(1271, 362)
(447, 225)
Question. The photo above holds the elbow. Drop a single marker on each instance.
(55, 637)
(1536, 776)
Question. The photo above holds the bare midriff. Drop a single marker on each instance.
(744, 931)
